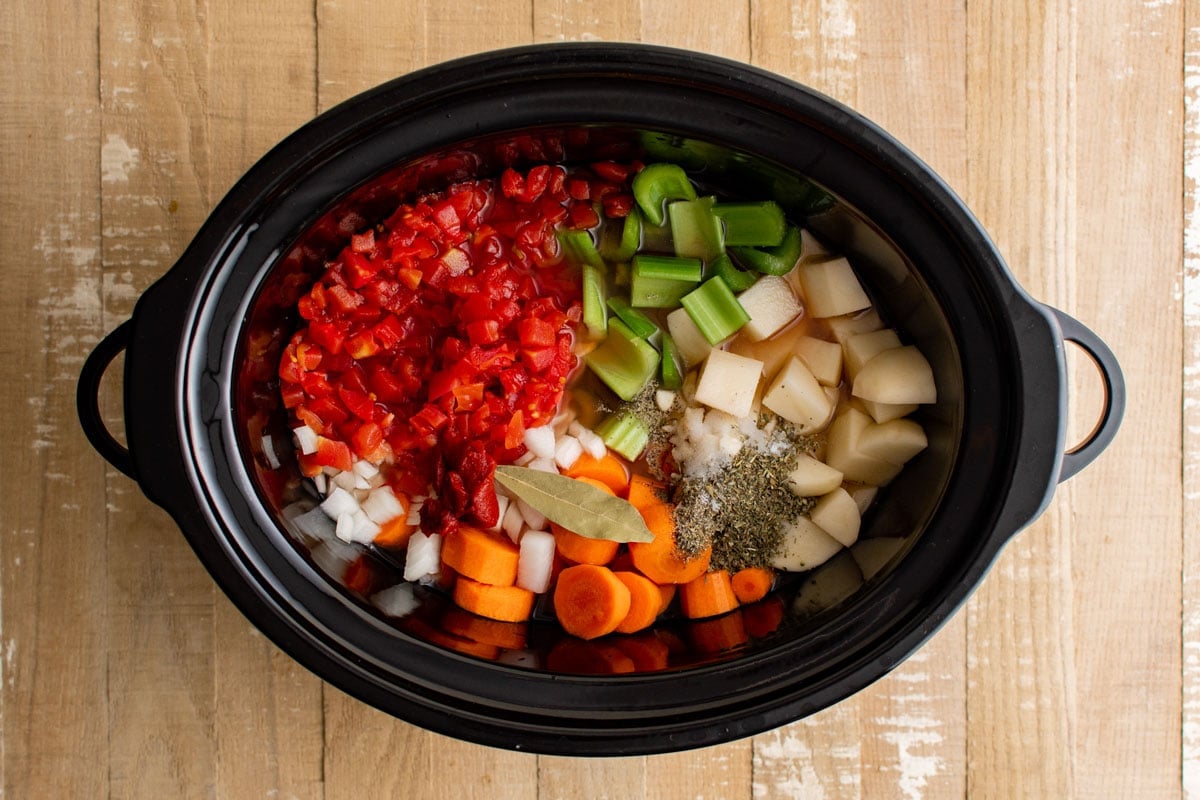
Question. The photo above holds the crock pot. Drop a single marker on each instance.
(203, 342)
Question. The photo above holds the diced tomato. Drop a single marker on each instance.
(293, 395)
(582, 216)
(468, 396)
(483, 331)
(514, 432)
(362, 345)
(538, 358)
(327, 411)
(389, 332)
(535, 332)
(328, 335)
(332, 453)
(363, 242)
(579, 189)
(343, 299)
(358, 403)
(612, 171)
(367, 439)
(617, 205)
(430, 418)
(511, 183)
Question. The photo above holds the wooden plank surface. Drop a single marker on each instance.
(1073, 132)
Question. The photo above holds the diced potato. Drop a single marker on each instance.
(828, 586)
(886, 412)
(863, 497)
(774, 352)
(862, 347)
(811, 247)
(901, 375)
(843, 454)
(796, 396)
(895, 442)
(862, 322)
(728, 382)
(812, 478)
(771, 306)
(837, 515)
(872, 555)
(690, 342)
(824, 359)
(831, 288)
(804, 546)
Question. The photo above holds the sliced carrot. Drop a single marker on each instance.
(573, 656)
(644, 491)
(482, 556)
(609, 470)
(667, 590)
(763, 618)
(429, 633)
(584, 549)
(752, 583)
(717, 634)
(590, 601)
(395, 533)
(710, 595)
(508, 635)
(505, 603)
(644, 602)
(649, 653)
(659, 560)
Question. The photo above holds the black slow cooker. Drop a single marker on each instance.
(203, 342)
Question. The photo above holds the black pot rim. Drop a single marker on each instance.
(177, 459)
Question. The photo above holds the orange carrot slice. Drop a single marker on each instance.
(644, 602)
(584, 549)
(505, 603)
(649, 653)
(590, 601)
(752, 583)
(394, 534)
(717, 634)
(481, 556)
(660, 560)
(644, 492)
(508, 635)
(710, 595)
(608, 470)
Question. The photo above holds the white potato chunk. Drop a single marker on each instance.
(828, 586)
(811, 247)
(842, 451)
(804, 546)
(886, 412)
(862, 347)
(831, 288)
(812, 478)
(771, 306)
(796, 396)
(837, 514)
(862, 322)
(693, 347)
(728, 381)
(863, 497)
(872, 555)
(901, 375)
(896, 441)
(823, 359)
(773, 352)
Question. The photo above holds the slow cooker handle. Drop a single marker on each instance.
(1095, 442)
(87, 398)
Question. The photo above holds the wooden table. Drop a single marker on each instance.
(1073, 131)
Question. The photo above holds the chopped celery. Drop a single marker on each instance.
(625, 362)
(695, 230)
(754, 224)
(578, 247)
(625, 434)
(672, 372)
(737, 280)
(622, 248)
(714, 309)
(658, 183)
(595, 316)
(778, 260)
(659, 281)
(641, 325)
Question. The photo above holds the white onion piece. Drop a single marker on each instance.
(345, 527)
(339, 502)
(268, 448)
(333, 555)
(503, 503)
(544, 464)
(315, 524)
(535, 562)
(306, 439)
(592, 444)
(321, 482)
(524, 459)
(540, 441)
(567, 452)
(664, 399)
(414, 513)
(365, 468)
(574, 428)
(361, 530)
(423, 555)
(396, 601)
(513, 522)
(382, 505)
(346, 480)
(533, 518)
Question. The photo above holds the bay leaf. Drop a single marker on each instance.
(575, 505)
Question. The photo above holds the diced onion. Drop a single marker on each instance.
(346, 480)
(536, 561)
(513, 522)
(503, 503)
(533, 518)
(315, 524)
(365, 468)
(422, 556)
(592, 443)
(268, 448)
(540, 441)
(382, 505)
(544, 464)
(567, 452)
(396, 601)
(306, 439)
(339, 502)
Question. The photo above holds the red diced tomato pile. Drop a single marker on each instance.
(432, 341)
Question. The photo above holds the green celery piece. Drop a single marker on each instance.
(672, 373)
(737, 280)
(642, 326)
(714, 309)
(778, 260)
(658, 183)
(754, 224)
(625, 362)
(630, 240)
(625, 434)
(579, 248)
(659, 281)
(695, 230)
(595, 315)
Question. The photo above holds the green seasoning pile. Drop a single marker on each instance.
(742, 509)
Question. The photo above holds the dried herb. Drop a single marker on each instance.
(575, 505)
